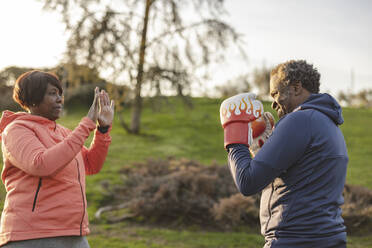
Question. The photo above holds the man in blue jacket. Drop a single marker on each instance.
(301, 167)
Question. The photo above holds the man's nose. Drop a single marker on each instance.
(274, 105)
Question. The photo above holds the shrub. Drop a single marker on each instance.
(186, 192)
(357, 210)
(6, 99)
(81, 96)
(237, 210)
(175, 191)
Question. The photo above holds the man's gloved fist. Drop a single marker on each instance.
(240, 119)
(259, 141)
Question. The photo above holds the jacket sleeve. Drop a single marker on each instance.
(25, 150)
(95, 156)
(249, 176)
(285, 146)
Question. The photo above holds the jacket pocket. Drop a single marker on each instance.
(36, 194)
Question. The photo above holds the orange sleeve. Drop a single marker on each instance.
(25, 150)
(95, 156)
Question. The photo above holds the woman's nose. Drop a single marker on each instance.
(59, 98)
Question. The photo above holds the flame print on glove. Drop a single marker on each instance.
(241, 118)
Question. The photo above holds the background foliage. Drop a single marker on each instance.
(180, 132)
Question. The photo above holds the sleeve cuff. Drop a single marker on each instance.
(103, 129)
(88, 123)
(235, 145)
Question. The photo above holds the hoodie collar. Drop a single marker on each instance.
(326, 104)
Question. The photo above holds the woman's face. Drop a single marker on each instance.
(52, 104)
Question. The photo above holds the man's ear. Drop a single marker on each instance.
(298, 88)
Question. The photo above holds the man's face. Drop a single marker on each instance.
(282, 96)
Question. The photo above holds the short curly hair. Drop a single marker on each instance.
(298, 71)
(30, 87)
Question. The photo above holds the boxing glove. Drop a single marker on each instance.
(240, 119)
(259, 141)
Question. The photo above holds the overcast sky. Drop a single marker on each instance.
(334, 35)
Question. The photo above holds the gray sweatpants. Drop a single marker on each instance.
(54, 242)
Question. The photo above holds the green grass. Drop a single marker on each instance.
(110, 236)
(122, 235)
(357, 130)
(196, 134)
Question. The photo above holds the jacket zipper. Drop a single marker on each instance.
(269, 208)
(82, 195)
(36, 194)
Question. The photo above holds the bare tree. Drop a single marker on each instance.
(9, 74)
(344, 98)
(363, 98)
(152, 42)
(234, 86)
(261, 78)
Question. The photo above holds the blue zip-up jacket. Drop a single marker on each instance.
(301, 171)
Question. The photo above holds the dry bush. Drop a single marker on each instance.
(187, 192)
(6, 99)
(82, 95)
(176, 191)
(357, 209)
(237, 210)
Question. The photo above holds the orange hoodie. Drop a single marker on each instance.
(44, 176)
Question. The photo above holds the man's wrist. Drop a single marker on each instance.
(235, 145)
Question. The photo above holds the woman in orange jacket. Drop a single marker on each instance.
(45, 165)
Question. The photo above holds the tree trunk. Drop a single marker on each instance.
(137, 106)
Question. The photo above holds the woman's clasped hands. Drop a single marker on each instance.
(102, 109)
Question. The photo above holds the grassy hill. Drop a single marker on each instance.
(196, 134)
